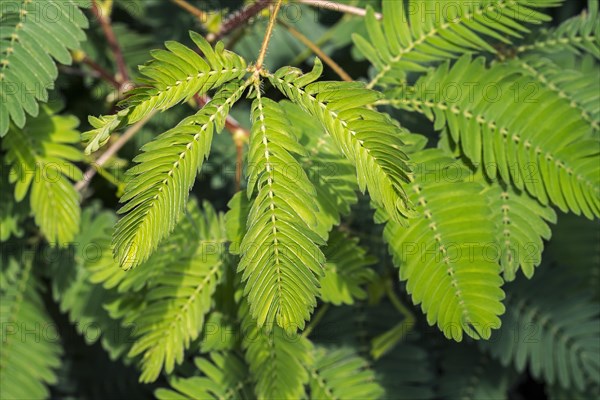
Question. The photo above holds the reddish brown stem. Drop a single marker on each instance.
(102, 73)
(105, 22)
(238, 18)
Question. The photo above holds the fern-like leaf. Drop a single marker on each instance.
(579, 87)
(30, 351)
(157, 193)
(174, 76)
(423, 31)
(579, 35)
(342, 374)
(521, 227)
(332, 175)
(12, 213)
(225, 378)
(276, 358)
(346, 271)
(34, 32)
(83, 301)
(551, 154)
(552, 325)
(281, 260)
(179, 293)
(369, 139)
(443, 253)
(41, 158)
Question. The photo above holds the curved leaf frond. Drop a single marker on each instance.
(173, 76)
(342, 374)
(333, 176)
(509, 124)
(443, 254)
(580, 34)
(276, 359)
(30, 350)
(521, 228)
(552, 325)
(178, 293)
(225, 377)
(346, 271)
(579, 87)
(157, 193)
(41, 157)
(413, 35)
(34, 34)
(369, 139)
(281, 260)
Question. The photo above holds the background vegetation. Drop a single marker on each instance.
(183, 323)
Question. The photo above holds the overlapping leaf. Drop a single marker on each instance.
(174, 76)
(443, 254)
(342, 374)
(515, 128)
(368, 139)
(413, 35)
(552, 326)
(34, 33)
(30, 350)
(281, 260)
(157, 193)
(224, 377)
(41, 156)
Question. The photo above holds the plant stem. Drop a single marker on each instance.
(110, 152)
(343, 8)
(111, 39)
(317, 50)
(102, 73)
(195, 11)
(315, 321)
(265, 44)
(397, 303)
(235, 20)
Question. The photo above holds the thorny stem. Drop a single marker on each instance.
(111, 151)
(237, 19)
(268, 34)
(111, 39)
(343, 8)
(317, 50)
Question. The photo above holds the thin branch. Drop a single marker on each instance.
(195, 11)
(316, 319)
(343, 8)
(317, 50)
(110, 152)
(112, 41)
(238, 18)
(101, 72)
(268, 34)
